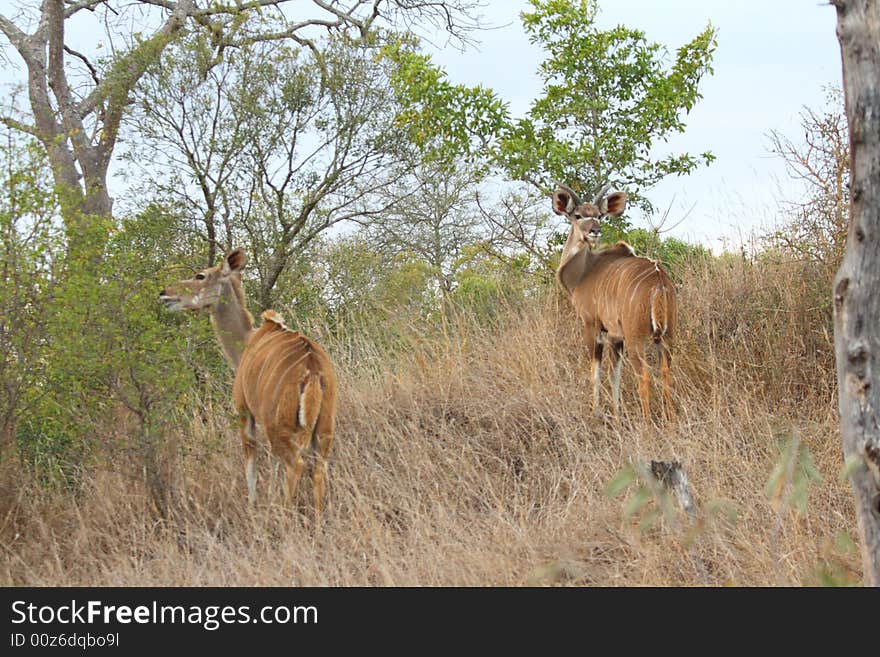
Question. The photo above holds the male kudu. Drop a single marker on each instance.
(620, 297)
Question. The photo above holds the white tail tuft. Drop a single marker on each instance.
(309, 400)
(658, 311)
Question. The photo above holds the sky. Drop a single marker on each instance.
(774, 58)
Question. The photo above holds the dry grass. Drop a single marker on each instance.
(473, 459)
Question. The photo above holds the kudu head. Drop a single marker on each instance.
(586, 218)
(205, 288)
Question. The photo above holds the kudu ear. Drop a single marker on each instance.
(234, 261)
(613, 204)
(564, 201)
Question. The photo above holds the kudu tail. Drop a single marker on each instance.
(659, 312)
(310, 400)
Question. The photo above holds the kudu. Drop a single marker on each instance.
(621, 298)
(283, 379)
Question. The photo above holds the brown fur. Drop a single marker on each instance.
(621, 298)
(238, 290)
(283, 379)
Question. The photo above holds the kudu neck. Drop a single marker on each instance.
(572, 246)
(575, 263)
(232, 322)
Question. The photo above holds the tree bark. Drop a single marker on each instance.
(79, 162)
(857, 284)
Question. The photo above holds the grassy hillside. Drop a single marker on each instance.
(468, 455)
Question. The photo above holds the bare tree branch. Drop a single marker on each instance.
(19, 125)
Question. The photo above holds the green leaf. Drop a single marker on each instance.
(621, 482)
(649, 519)
(641, 497)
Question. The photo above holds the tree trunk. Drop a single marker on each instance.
(857, 284)
(7, 433)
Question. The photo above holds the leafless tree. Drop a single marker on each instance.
(518, 221)
(816, 224)
(432, 215)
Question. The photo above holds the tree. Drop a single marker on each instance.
(449, 122)
(78, 101)
(272, 146)
(372, 289)
(609, 98)
(816, 226)
(856, 302)
(519, 222)
(137, 348)
(29, 238)
(434, 219)
(186, 145)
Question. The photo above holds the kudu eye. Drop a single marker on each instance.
(200, 277)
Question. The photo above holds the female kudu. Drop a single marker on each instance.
(619, 297)
(283, 380)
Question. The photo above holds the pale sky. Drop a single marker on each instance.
(773, 58)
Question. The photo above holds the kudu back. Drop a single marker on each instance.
(621, 299)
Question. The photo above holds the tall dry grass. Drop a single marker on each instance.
(471, 458)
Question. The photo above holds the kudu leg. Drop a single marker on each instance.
(666, 374)
(595, 372)
(249, 443)
(290, 447)
(324, 431)
(595, 346)
(643, 374)
(616, 369)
